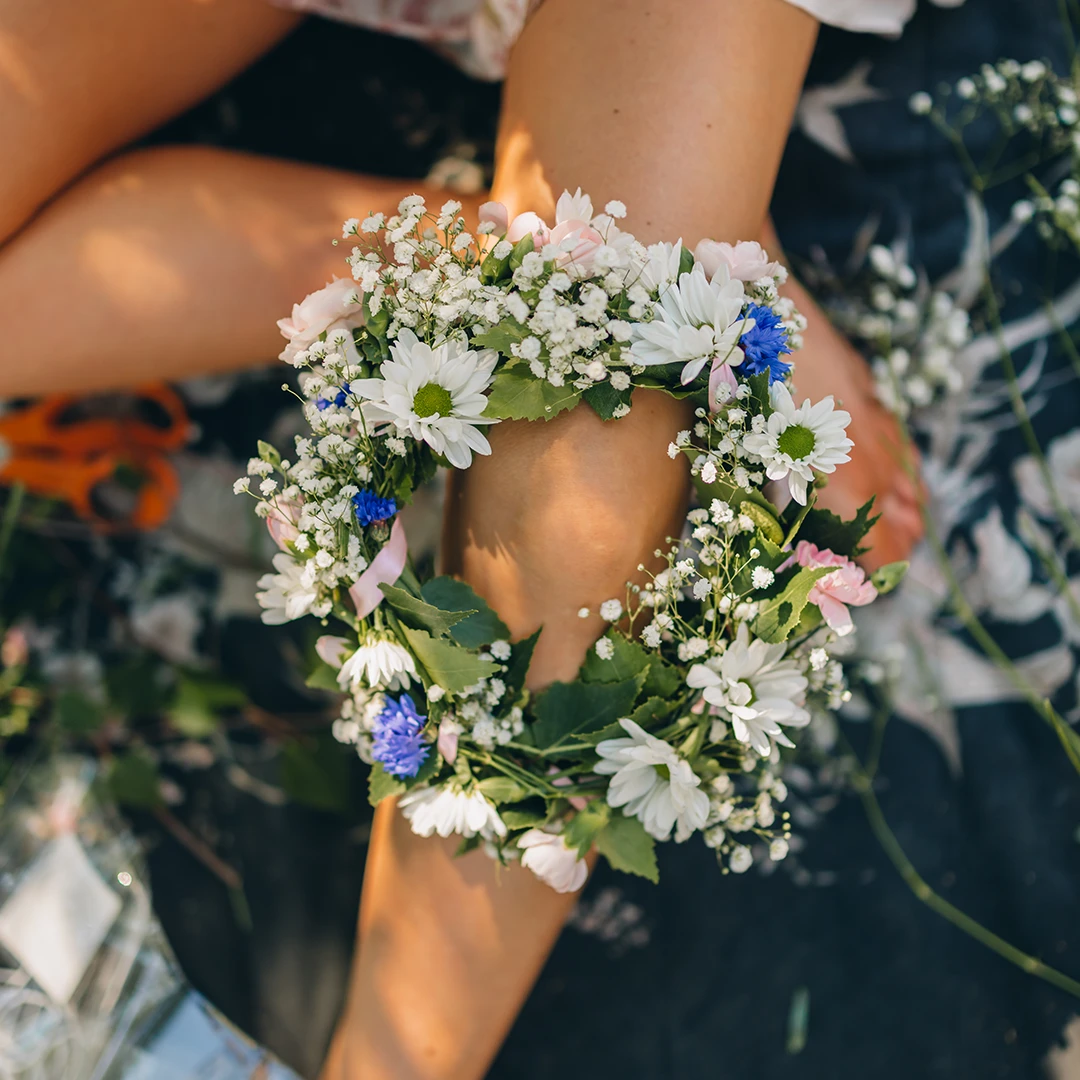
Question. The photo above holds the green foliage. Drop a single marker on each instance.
(760, 402)
(521, 249)
(518, 667)
(503, 789)
(604, 399)
(825, 529)
(199, 701)
(765, 520)
(584, 826)
(628, 847)
(133, 781)
(686, 260)
(566, 711)
(501, 337)
(479, 624)
(323, 677)
(269, 453)
(517, 394)
(887, 577)
(315, 772)
(422, 615)
(77, 714)
(779, 615)
(446, 662)
(628, 659)
(381, 785)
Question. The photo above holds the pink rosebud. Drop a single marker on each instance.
(494, 213)
(579, 241)
(721, 375)
(834, 592)
(527, 223)
(746, 260)
(331, 307)
(281, 522)
(331, 650)
(447, 741)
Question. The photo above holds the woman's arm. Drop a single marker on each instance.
(681, 111)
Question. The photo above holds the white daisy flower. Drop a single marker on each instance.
(434, 394)
(757, 688)
(555, 864)
(694, 321)
(795, 442)
(653, 783)
(290, 593)
(448, 810)
(378, 664)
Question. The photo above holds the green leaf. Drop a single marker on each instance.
(565, 711)
(764, 520)
(133, 780)
(826, 530)
(195, 710)
(493, 269)
(779, 615)
(582, 829)
(686, 260)
(887, 577)
(521, 819)
(517, 394)
(323, 677)
(628, 659)
(315, 773)
(629, 848)
(269, 453)
(663, 679)
(501, 789)
(381, 785)
(649, 711)
(479, 624)
(78, 714)
(422, 614)
(759, 394)
(516, 670)
(521, 249)
(605, 399)
(454, 668)
(501, 337)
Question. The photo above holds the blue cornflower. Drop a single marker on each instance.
(370, 507)
(764, 344)
(398, 743)
(338, 399)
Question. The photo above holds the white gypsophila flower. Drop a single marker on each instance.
(652, 783)
(741, 859)
(757, 688)
(290, 593)
(695, 320)
(378, 664)
(796, 441)
(434, 394)
(555, 864)
(447, 810)
(611, 610)
(605, 648)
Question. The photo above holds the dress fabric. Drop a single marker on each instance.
(477, 35)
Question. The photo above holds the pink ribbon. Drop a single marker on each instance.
(385, 568)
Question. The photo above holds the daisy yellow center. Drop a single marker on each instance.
(431, 399)
(796, 441)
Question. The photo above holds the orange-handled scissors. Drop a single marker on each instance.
(103, 455)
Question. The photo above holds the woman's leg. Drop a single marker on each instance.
(681, 110)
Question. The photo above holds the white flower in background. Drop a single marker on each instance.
(290, 593)
(379, 664)
(796, 441)
(661, 268)
(169, 625)
(1002, 582)
(1063, 464)
(447, 810)
(757, 688)
(434, 394)
(653, 783)
(555, 864)
(695, 321)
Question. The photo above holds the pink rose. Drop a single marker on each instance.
(527, 223)
(281, 522)
(579, 242)
(746, 261)
(494, 213)
(333, 306)
(332, 650)
(833, 592)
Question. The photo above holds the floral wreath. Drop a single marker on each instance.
(676, 720)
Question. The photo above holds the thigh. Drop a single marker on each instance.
(80, 78)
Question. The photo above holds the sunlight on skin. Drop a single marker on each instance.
(15, 73)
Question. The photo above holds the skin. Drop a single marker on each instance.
(176, 262)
